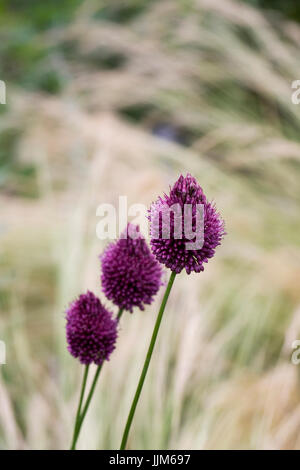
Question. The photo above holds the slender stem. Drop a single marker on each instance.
(147, 362)
(120, 314)
(89, 398)
(85, 375)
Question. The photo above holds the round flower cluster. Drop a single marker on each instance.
(91, 330)
(131, 276)
(172, 251)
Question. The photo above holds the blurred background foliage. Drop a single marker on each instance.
(112, 98)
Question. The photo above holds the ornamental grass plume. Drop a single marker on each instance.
(131, 276)
(91, 333)
(177, 250)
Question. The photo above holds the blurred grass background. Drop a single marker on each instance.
(119, 98)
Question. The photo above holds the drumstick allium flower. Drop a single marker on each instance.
(131, 276)
(91, 330)
(91, 336)
(174, 250)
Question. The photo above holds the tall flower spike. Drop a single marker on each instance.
(91, 330)
(131, 276)
(173, 252)
(169, 241)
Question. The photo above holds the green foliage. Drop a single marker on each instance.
(16, 178)
(123, 12)
(38, 14)
(289, 8)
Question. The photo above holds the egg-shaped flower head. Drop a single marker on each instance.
(91, 331)
(185, 228)
(131, 276)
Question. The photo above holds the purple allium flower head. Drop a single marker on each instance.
(91, 330)
(131, 276)
(172, 250)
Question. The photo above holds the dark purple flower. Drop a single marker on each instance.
(91, 330)
(171, 250)
(131, 276)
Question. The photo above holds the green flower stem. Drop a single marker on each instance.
(80, 417)
(85, 375)
(147, 361)
(120, 313)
